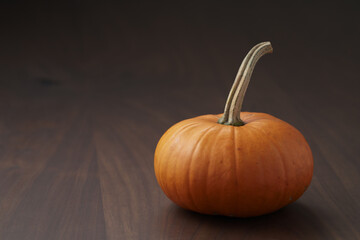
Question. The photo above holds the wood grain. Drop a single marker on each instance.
(87, 90)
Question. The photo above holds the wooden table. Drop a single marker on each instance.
(87, 90)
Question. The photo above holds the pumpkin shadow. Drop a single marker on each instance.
(296, 221)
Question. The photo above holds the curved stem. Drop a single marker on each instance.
(236, 96)
(235, 85)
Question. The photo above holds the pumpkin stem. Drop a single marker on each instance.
(236, 96)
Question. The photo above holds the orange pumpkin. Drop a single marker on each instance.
(236, 164)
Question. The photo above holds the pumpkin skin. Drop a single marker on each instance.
(240, 171)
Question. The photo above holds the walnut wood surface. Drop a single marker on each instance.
(87, 89)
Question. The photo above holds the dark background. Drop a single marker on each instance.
(88, 88)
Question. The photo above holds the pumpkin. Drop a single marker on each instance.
(239, 164)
